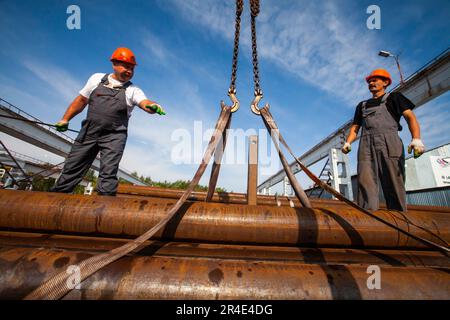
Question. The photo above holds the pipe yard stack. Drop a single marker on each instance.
(222, 249)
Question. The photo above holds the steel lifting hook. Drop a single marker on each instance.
(234, 99)
(254, 105)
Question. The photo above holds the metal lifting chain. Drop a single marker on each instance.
(237, 30)
(254, 9)
(239, 9)
(254, 6)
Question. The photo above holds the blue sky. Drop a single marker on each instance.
(313, 59)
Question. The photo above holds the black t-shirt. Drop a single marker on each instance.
(396, 104)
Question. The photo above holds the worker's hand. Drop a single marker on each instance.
(62, 126)
(417, 146)
(156, 108)
(346, 148)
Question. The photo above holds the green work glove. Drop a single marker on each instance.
(346, 148)
(156, 108)
(62, 126)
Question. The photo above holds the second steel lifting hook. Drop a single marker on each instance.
(254, 105)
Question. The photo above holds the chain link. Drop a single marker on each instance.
(254, 7)
(239, 9)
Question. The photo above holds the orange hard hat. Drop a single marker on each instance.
(124, 54)
(379, 73)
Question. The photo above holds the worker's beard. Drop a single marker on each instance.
(124, 77)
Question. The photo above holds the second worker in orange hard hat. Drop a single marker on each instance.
(111, 98)
(381, 154)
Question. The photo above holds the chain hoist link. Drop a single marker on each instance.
(239, 9)
(254, 8)
(255, 58)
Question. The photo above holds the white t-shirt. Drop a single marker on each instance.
(134, 95)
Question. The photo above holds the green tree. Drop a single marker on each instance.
(123, 181)
(42, 184)
(178, 184)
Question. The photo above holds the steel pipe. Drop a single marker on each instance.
(222, 197)
(241, 198)
(140, 277)
(338, 226)
(323, 256)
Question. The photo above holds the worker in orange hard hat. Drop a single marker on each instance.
(380, 73)
(125, 55)
(111, 99)
(381, 155)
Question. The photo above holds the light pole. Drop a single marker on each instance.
(387, 54)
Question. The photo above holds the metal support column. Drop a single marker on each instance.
(252, 181)
(286, 185)
(340, 173)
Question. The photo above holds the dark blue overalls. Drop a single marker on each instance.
(104, 130)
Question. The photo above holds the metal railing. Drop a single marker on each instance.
(28, 116)
(431, 62)
(24, 157)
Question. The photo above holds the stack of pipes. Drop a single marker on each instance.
(223, 249)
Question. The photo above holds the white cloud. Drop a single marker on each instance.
(158, 49)
(434, 119)
(315, 41)
(181, 69)
(150, 146)
(59, 79)
(19, 96)
(149, 150)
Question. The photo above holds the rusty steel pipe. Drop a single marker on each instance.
(325, 256)
(222, 197)
(212, 222)
(241, 198)
(279, 201)
(140, 277)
